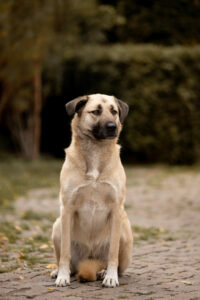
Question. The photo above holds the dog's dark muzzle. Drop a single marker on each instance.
(106, 131)
(111, 129)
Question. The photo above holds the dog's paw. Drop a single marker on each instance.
(110, 282)
(111, 279)
(62, 281)
(63, 278)
(54, 273)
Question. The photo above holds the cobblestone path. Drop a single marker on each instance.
(163, 205)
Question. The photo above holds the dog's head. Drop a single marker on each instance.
(99, 116)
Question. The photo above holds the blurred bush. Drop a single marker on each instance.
(160, 22)
(51, 48)
(161, 86)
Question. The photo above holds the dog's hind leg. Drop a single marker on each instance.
(101, 274)
(54, 273)
(125, 250)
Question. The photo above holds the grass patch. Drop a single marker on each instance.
(142, 233)
(32, 260)
(161, 171)
(4, 258)
(46, 227)
(17, 176)
(8, 230)
(5, 269)
(127, 206)
(41, 239)
(149, 233)
(35, 242)
(33, 215)
(28, 248)
(25, 226)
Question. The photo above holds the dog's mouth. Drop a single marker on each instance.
(108, 131)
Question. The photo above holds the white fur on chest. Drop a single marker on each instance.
(92, 175)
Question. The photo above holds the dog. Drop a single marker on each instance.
(92, 237)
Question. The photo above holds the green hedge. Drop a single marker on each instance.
(162, 87)
(157, 22)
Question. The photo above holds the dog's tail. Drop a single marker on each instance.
(88, 269)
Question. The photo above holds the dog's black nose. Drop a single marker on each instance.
(111, 126)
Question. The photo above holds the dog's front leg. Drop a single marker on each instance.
(111, 278)
(63, 277)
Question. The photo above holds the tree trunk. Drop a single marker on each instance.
(37, 107)
(3, 101)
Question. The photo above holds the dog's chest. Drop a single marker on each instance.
(92, 214)
(93, 204)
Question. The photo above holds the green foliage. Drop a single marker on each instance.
(161, 86)
(160, 22)
(33, 35)
(40, 29)
(17, 176)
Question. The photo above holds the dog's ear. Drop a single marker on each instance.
(75, 105)
(123, 109)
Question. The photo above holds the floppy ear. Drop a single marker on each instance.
(76, 104)
(123, 109)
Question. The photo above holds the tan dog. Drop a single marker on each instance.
(93, 231)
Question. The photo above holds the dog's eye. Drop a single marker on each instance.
(96, 112)
(113, 112)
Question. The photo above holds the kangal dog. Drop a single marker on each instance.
(92, 237)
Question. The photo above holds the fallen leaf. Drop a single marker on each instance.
(45, 246)
(187, 282)
(19, 269)
(21, 254)
(21, 277)
(51, 266)
(4, 248)
(50, 289)
(18, 228)
(162, 230)
(31, 238)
